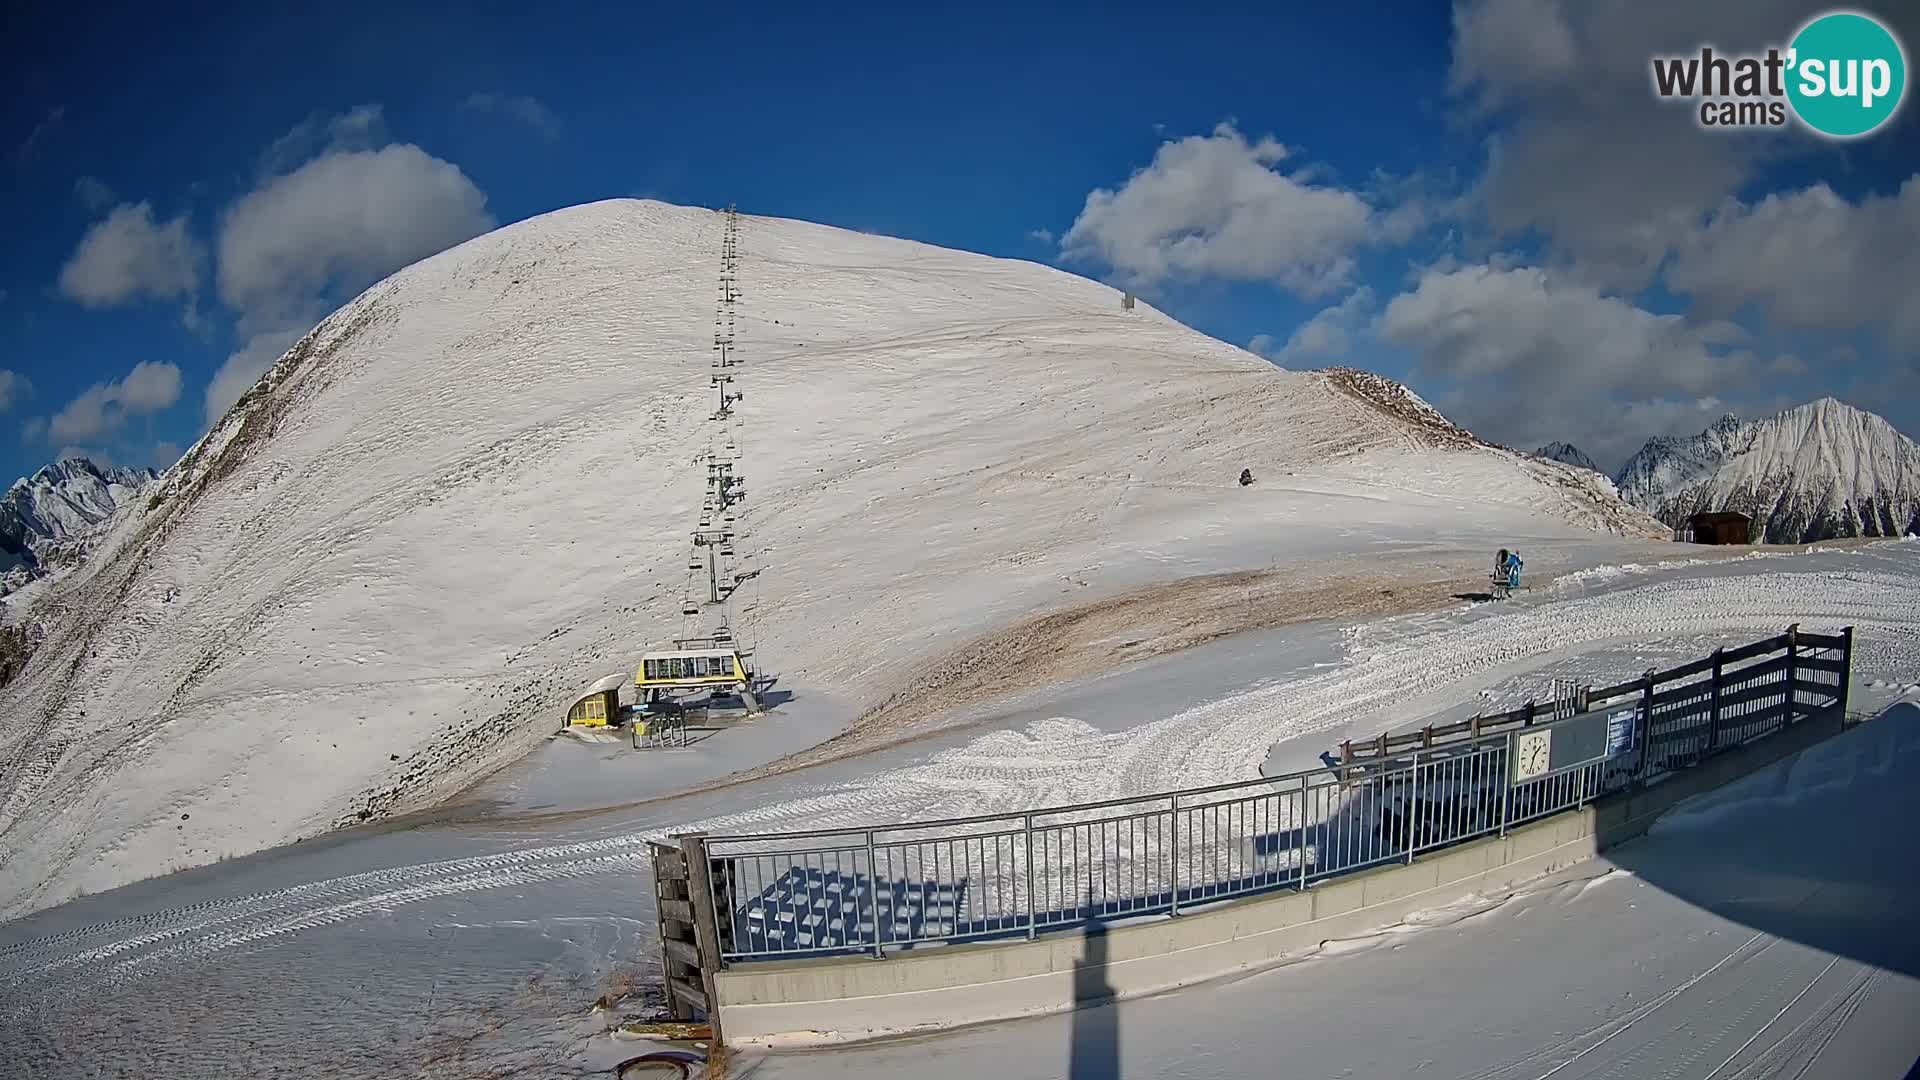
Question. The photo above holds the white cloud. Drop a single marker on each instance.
(341, 221)
(1045, 236)
(29, 148)
(1329, 333)
(362, 127)
(128, 255)
(97, 456)
(1810, 260)
(1217, 206)
(243, 368)
(13, 387)
(93, 193)
(165, 455)
(102, 408)
(1585, 154)
(1529, 360)
(518, 107)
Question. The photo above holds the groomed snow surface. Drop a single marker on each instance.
(468, 493)
(445, 951)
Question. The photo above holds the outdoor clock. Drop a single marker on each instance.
(1532, 753)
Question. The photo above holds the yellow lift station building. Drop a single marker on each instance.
(599, 704)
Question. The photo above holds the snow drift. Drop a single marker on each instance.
(1821, 470)
(468, 493)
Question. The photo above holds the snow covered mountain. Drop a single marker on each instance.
(1820, 470)
(468, 493)
(1567, 454)
(61, 504)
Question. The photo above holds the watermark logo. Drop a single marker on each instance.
(1843, 75)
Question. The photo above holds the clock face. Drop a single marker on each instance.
(1532, 752)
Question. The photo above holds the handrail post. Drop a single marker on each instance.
(1713, 706)
(1646, 733)
(1300, 822)
(1506, 785)
(1846, 664)
(1173, 849)
(1027, 824)
(1793, 673)
(1413, 808)
(873, 899)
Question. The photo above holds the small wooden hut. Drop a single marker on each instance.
(1721, 528)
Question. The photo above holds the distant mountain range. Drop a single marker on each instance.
(49, 516)
(1568, 454)
(1821, 470)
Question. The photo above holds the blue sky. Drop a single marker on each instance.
(1482, 199)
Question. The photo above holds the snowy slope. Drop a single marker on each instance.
(1567, 454)
(64, 501)
(1820, 470)
(468, 493)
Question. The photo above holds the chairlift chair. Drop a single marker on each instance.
(688, 607)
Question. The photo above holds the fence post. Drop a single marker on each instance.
(1646, 732)
(873, 899)
(1173, 850)
(1846, 663)
(1713, 708)
(1506, 785)
(706, 918)
(1793, 672)
(1300, 820)
(1413, 808)
(1027, 826)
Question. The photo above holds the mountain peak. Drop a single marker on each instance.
(1818, 470)
(1566, 453)
(61, 503)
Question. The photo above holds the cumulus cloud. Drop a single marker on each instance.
(93, 193)
(244, 367)
(1219, 206)
(1810, 260)
(1045, 236)
(1529, 359)
(1328, 334)
(101, 409)
(363, 127)
(341, 221)
(13, 387)
(1585, 155)
(518, 107)
(128, 255)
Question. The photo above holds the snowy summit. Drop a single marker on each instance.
(64, 501)
(467, 493)
(1821, 470)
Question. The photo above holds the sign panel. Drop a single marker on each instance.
(1621, 725)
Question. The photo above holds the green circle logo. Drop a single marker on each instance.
(1846, 74)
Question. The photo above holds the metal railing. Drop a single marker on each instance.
(887, 887)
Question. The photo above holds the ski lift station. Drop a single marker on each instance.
(598, 705)
(696, 665)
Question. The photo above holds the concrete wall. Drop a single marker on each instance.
(802, 1002)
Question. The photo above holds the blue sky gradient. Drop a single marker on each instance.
(1537, 246)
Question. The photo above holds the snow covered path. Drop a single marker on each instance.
(1756, 933)
(427, 936)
